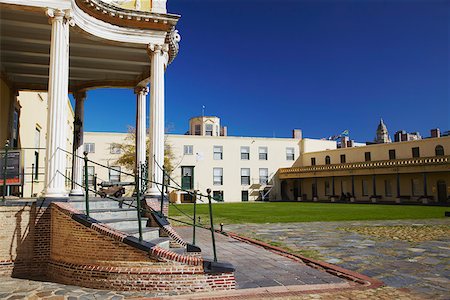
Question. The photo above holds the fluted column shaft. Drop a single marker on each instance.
(57, 104)
(158, 56)
(141, 95)
(78, 146)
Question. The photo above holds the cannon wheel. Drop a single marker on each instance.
(118, 194)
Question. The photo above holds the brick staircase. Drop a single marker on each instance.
(122, 218)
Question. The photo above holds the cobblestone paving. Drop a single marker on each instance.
(422, 266)
(256, 267)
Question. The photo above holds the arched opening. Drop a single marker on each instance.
(327, 160)
(439, 150)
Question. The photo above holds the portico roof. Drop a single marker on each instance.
(115, 56)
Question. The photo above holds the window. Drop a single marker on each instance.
(387, 188)
(198, 130)
(209, 129)
(91, 175)
(439, 150)
(218, 176)
(327, 160)
(313, 161)
(245, 176)
(15, 130)
(263, 176)
(89, 147)
(218, 152)
(262, 153)
(392, 154)
(342, 158)
(415, 186)
(188, 149)
(187, 178)
(327, 188)
(244, 196)
(114, 174)
(37, 144)
(245, 153)
(365, 187)
(115, 149)
(415, 152)
(290, 153)
(218, 195)
(367, 156)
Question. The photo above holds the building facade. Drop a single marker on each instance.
(234, 168)
(413, 171)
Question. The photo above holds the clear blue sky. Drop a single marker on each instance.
(266, 67)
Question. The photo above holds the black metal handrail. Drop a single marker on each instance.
(162, 187)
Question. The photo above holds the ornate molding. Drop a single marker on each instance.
(127, 17)
(173, 39)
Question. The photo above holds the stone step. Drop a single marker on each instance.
(123, 224)
(162, 242)
(117, 213)
(98, 203)
(148, 233)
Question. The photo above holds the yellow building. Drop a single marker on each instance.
(402, 172)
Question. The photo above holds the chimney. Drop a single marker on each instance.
(224, 131)
(297, 134)
(344, 141)
(435, 133)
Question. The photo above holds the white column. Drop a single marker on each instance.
(158, 56)
(57, 104)
(78, 147)
(141, 128)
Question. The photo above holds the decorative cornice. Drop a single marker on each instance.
(397, 163)
(126, 17)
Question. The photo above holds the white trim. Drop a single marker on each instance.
(115, 33)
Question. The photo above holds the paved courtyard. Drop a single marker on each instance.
(403, 254)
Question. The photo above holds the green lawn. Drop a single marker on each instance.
(238, 213)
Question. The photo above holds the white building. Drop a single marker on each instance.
(234, 168)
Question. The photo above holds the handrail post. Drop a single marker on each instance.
(138, 201)
(162, 191)
(212, 224)
(86, 182)
(195, 216)
(5, 169)
(32, 179)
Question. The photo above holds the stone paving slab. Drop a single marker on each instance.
(256, 266)
(422, 266)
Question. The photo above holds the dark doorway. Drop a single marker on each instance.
(442, 191)
(284, 194)
(187, 178)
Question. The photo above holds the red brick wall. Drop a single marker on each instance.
(47, 243)
(97, 257)
(24, 240)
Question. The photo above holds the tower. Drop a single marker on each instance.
(382, 134)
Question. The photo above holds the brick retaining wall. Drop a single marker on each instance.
(60, 244)
(24, 240)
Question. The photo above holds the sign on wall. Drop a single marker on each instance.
(13, 176)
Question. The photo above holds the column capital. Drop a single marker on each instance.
(60, 15)
(157, 48)
(79, 95)
(141, 90)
